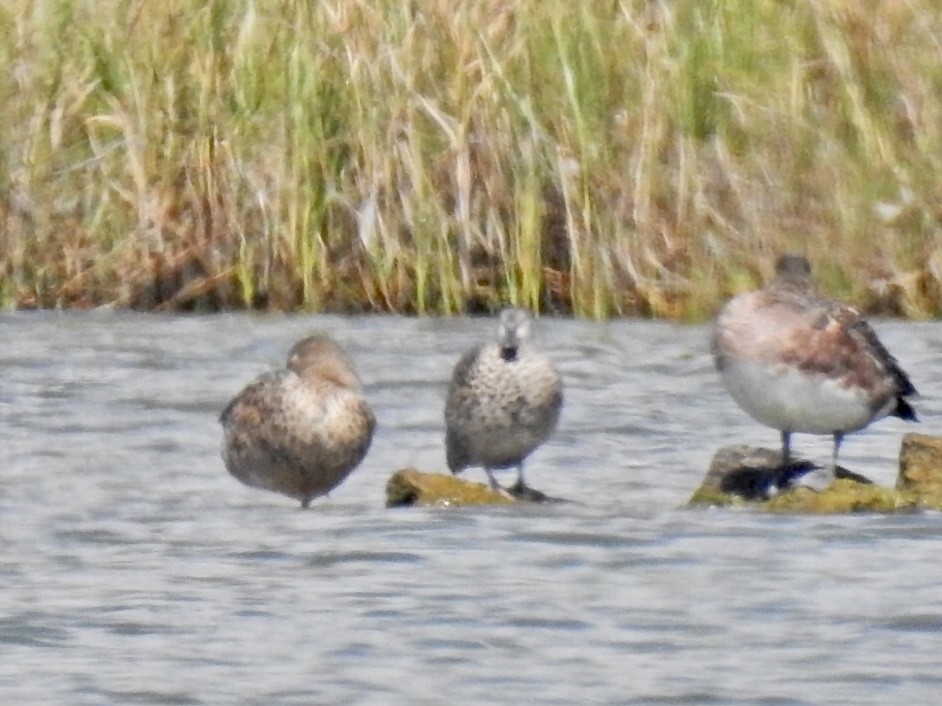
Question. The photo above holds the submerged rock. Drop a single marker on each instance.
(410, 487)
(745, 475)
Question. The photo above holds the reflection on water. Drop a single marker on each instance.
(134, 570)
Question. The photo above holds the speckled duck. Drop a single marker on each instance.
(503, 402)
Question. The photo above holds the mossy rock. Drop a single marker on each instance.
(753, 477)
(920, 464)
(410, 487)
(844, 496)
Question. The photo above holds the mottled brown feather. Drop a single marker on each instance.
(300, 431)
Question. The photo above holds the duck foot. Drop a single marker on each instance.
(523, 492)
(804, 474)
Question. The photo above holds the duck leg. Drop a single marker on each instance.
(786, 448)
(520, 485)
(495, 486)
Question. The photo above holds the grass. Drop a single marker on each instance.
(601, 158)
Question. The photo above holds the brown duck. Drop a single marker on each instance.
(798, 362)
(302, 430)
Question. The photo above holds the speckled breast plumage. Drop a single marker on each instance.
(499, 411)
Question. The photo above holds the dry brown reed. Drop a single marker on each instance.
(600, 158)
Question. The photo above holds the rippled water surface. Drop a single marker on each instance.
(135, 570)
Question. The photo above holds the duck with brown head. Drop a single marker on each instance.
(797, 362)
(299, 431)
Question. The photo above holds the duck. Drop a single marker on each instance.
(801, 363)
(503, 401)
(299, 431)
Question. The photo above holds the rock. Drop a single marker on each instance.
(844, 496)
(411, 487)
(738, 475)
(755, 474)
(745, 475)
(920, 464)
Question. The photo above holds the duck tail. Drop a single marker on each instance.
(904, 410)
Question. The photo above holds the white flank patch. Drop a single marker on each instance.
(784, 398)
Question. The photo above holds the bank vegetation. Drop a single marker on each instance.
(625, 157)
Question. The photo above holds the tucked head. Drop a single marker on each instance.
(514, 328)
(793, 272)
(319, 355)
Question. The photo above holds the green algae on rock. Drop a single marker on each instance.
(844, 496)
(410, 487)
(751, 477)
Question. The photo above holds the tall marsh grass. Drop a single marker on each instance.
(600, 157)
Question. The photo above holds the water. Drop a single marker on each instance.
(134, 570)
